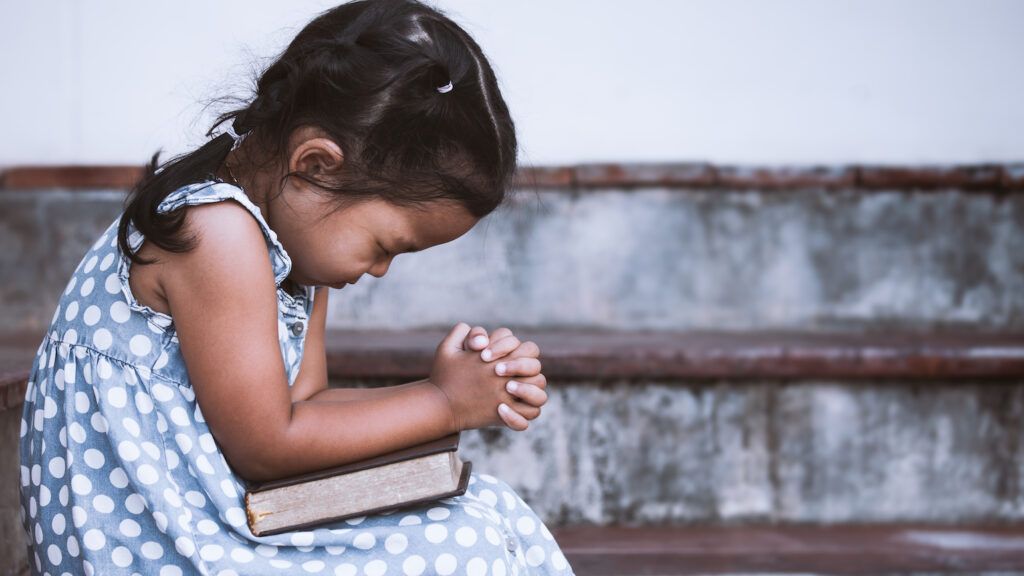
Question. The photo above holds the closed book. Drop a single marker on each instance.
(406, 477)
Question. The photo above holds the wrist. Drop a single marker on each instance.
(446, 405)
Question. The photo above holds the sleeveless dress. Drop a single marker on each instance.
(121, 475)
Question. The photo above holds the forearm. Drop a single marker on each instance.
(322, 434)
(346, 394)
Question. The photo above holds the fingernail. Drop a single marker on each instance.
(504, 408)
(500, 368)
(511, 386)
(480, 340)
(486, 355)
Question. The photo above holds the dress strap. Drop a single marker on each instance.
(215, 191)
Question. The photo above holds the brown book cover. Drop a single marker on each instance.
(448, 443)
(443, 444)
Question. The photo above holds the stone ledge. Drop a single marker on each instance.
(786, 549)
(698, 355)
(992, 177)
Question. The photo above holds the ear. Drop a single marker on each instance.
(316, 156)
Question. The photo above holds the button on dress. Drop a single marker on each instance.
(120, 474)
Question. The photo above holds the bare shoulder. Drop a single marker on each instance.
(223, 300)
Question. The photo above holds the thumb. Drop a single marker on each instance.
(456, 336)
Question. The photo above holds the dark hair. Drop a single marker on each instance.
(367, 72)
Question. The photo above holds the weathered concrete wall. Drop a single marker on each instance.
(649, 258)
(676, 452)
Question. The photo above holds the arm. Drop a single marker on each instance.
(223, 299)
(311, 383)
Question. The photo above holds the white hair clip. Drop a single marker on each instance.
(238, 138)
(446, 88)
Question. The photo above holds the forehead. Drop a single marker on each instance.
(436, 222)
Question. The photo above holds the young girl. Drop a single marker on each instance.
(186, 354)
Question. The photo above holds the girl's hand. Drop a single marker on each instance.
(528, 387)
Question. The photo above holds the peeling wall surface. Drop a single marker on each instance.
(638, 451)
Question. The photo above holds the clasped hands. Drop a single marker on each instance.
(518, 360)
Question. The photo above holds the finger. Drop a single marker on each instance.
(500, 333)
(526, 410)
(455, 337)
(513, 419)
(539, 380)
(476, 339)
(527, 348)
(499, 347)
(518, 367)
(526, 392)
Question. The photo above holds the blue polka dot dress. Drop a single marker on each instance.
(121, 475)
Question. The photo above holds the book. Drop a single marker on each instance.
(410, 476)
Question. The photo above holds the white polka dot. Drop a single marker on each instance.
(410, 520)
(162, 392)
(71, 311)
(313, 566)
(414, 565)
(143, 402)
(204, 464)
(150, 549)
(120, 312)
(492, 535)
(510, 500)
(102, 338)
(147, 474)
(242, 555)
(396, 543)
(465, 536)
(128, 450)
(445, 564)
(103, 503)
(375, 567)
(78, 516)
(118, 478)
(107, 261)
(525, 525)
(94, 539)
(81, 403)
(488, 495)
(54, 554)
(364, 540)
(211, 552)
(112, 284)
(81, 484)
(151, 449)
(58, 524)
(103, 369)
(130, 528)
(266, 550)
(280, 563)
(535, 555)
(121, 556)
(37, 472)
(207, 526)
(498, 568)
(99, 422)
(57, 467)
(558, 560)
(235, 516)
(207, 443)
(140, 345)
(304, 538)
(135, 504)
(345, 570)
(438, 513)
(170, 570)
(117, 397)
(195, 498)
(73, 546)
(355, 520)
(184, 545)
(435, 533)
(476, 567)
(92, 315)
(90, 264)
(179, 416)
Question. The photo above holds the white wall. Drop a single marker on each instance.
(729, 81)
